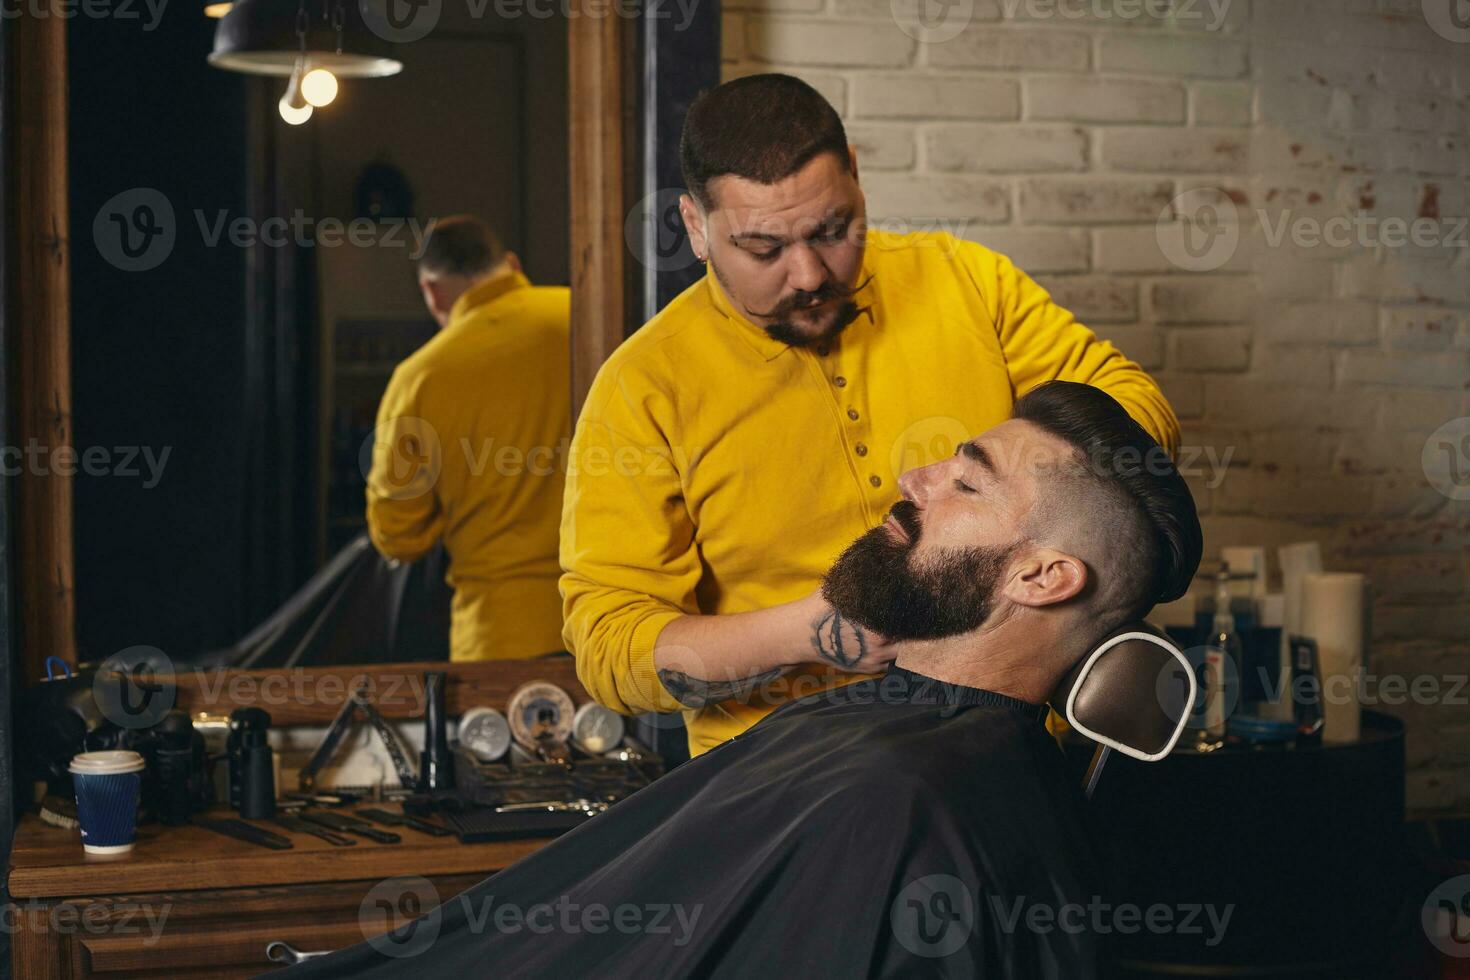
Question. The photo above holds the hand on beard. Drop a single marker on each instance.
(839, 642)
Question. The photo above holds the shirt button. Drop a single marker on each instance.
(860, 449)
(852, 414)
(875, 480)
(840, 381)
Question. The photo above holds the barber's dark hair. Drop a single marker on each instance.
(1135, 470)
(760, 127)
(461, 245)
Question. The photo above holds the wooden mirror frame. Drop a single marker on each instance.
(38, 329)
(602, 110)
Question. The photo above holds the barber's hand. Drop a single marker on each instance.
(840, 643)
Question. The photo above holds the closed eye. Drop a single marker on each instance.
(963, 487)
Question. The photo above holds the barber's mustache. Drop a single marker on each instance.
(803, 299)
(906, 513)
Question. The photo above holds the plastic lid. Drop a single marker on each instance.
(106, 763)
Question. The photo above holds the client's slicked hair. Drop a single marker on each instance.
(760, 127)
(1158, 548)
(461, 245)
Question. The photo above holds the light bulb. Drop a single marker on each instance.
(293, 96)
(294, 115)
(294, 107)
(319, 87)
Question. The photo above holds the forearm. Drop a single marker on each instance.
(706, 659)
(403, 532)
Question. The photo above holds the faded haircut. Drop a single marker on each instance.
(461, 245)
(1133, 492)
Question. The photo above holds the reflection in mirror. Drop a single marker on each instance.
(245, 287)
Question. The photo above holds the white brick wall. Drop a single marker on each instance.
(1105, 101)
(1323, 360)
(1006, 149)
(921, 96)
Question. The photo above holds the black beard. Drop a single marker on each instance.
(791, 335)
(877, 585)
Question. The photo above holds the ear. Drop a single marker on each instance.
(441, 298)
(511, 261)
(1045, 577)
(694, 225)
(440, 291)
(852, 161)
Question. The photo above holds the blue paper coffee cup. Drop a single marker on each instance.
(107, 785)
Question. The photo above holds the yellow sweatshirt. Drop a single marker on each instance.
(716, 470)
(470, 447)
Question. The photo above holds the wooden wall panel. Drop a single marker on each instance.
(597, 52)
(39, 329)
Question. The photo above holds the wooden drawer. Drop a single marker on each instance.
(195, 934)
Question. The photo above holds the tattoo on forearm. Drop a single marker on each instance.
(695, 692)
(839, 640)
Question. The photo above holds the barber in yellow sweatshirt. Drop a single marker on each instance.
(733, 447)
(471, 442)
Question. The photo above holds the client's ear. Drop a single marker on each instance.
(1045, 577)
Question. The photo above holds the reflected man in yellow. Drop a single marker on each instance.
(471, 440)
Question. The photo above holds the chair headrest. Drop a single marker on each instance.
(1133, 692)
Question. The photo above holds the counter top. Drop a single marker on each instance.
(49, 862)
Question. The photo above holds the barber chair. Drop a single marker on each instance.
(358, 608)
(1132, 694)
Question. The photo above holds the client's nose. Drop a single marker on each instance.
(906, 484)
(916, 484)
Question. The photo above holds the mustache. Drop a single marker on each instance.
(802, 298)
(906, 513)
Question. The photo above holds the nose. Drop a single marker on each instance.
(917, 485)
(806, 271)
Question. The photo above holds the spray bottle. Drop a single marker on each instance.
(1222, 660)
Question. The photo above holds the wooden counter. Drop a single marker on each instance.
(190, 903)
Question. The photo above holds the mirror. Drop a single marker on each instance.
(241, 290)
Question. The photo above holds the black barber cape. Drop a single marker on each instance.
(892, 827)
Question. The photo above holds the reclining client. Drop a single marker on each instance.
(892, 826)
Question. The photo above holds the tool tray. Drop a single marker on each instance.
(481, 787)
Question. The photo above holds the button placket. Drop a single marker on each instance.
(859, 446)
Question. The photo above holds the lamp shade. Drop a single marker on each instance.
(259, 37)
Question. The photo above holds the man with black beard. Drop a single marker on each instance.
(900, 825)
